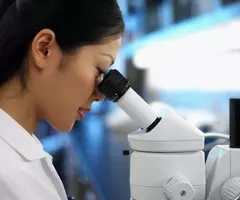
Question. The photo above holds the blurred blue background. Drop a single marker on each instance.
(180, 54)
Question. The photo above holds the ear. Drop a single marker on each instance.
(42, 47)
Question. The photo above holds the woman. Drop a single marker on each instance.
(52, 54)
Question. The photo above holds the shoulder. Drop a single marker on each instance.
(9, 168)
(7, 151)
(14, 173)
(9, 158)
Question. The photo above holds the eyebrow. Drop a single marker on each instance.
(110, 56)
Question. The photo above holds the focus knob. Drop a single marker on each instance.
(231, 189)
(178, 188)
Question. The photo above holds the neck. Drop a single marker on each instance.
(19, 105)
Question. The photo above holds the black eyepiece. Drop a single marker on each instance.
(114, 85)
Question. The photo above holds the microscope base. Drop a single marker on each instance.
(150, 171)
(152, 193)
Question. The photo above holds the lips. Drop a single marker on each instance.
(84, 109)
(81, 112)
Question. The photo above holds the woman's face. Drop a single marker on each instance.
(63, 85)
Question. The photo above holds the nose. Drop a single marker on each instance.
(97, 95)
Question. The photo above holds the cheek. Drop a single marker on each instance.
(85, 83)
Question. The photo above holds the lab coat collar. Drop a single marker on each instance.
(27, 145)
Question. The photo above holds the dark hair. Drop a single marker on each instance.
(74, 22)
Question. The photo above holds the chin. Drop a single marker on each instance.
(62, 123)
(63, 128)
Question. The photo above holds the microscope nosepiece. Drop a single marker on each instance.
(114, 85)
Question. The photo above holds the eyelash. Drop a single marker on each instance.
(100, 72)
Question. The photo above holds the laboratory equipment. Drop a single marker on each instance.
(167, 161)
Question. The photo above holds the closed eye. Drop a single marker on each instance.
(100, 72)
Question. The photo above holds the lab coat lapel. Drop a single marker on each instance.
(54, 176)
(30, 148)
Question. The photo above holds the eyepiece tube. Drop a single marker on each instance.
(117, 89)
(136, 108)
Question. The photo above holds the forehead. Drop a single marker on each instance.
(110, 45)
(107, 47)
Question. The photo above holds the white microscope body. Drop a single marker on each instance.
(168, 162)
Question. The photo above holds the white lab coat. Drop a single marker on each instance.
(26, 170)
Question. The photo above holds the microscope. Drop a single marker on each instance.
(167, 161)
